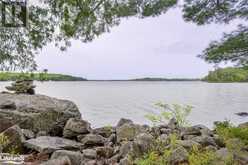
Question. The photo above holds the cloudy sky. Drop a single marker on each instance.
(163, 46)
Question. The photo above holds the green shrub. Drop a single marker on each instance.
(179, 112)
(198, 157)
(159, 153)
(227, 131)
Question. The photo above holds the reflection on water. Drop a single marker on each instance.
(104, 103)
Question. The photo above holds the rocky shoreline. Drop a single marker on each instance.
(50, 131)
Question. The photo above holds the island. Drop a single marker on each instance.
(13, 76)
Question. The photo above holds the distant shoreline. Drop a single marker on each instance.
(12, 76)
(147, 80)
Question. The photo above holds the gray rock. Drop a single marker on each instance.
(5, 123)
(241, 158)
(188, 137)
(126, 161)
(173, 124)
(145, 142)
(92, 140)
(41, 133)
(47, 144)
(223, 153)
(128, 132)
(188, 144)
(124, 121)
(7, 104)
(90, 153)
(80, 137)
(22, 87)
(205, 140)
(242, 114)
(105, 152)
(59, 161)
(205, 131)
(125, 149)
(37, 112)
(103, 131)
(28, 134)
(196, 131)
(165, 131)
(75, 127)
(91, 162)
(75, 157)
(211, 148)
(178, 156)
(243, 125)
(14, 139)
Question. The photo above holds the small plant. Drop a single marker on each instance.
(179, 112)
(3, 139)
(159, 153)
(198, 157)
(4, 142)
(153, 158)
(227, 131)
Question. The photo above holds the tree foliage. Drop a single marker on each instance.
(232, 47)
(59, 21)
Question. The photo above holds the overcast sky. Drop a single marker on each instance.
(163, 46)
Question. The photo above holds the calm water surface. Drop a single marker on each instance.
(104, 103)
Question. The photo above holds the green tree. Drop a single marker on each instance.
(59, 21)
(232, 47)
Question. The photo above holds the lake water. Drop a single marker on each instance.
(104, 103)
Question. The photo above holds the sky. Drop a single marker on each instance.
(164, 46)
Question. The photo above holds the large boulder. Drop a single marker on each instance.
(47, 144)
(75, 127)
(75, 157)
(144, 142)
(191, 131)
(178, 156)
(36, 112)
(205, 140)
(89, 154)
(123, 121)
(188, 144)
(128, 131)
(104, 131)
(92, 140)
(65, 160)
